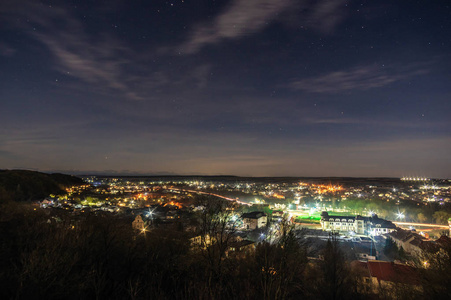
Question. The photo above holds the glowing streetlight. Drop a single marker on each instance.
(150, 213)
(400, 215)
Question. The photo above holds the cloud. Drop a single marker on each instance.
(245, 17)
(6, 50)
(99, 60)
(92, 63)
(359, 78)
(96, 57)
(325, 15)
(242, 17)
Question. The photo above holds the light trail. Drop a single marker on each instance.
(211, 194)
(421, 224)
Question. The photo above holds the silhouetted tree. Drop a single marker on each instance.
(217, 231)
(280, 266)
(435, 270)
(335, 282)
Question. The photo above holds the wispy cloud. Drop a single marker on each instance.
(93, 63)
(99, 59)
(96, 59)
(241, 18)
(359, 78)
(6, 50)
(325, 15)
(245, 17)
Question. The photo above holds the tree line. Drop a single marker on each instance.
(23, 185)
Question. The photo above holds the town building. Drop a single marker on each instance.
(416, 244)
(240, 247)
(254, 220)
(277, 215)
(198, 241)
(378, 226)
(139, 223)
(411, 242)
(382, 277)
(373, 225)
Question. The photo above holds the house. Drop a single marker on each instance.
(378, 226)
(47, 202)
(410, 241)
(203, 241)
(373, 225)
(139, 223)
(240, 247)
(414, 243)
(384, 276)
(277, 215)
(254, 220)
(198, 241)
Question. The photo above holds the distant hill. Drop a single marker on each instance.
(22, 185)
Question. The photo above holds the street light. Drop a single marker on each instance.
(400, 215)
(150, 213)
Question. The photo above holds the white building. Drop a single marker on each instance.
(254, 220)
(373, 225)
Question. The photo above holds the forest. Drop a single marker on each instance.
(24, 185)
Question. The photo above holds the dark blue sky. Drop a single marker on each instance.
(243, 87)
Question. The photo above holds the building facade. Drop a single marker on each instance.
(139, 223)
(373, 225)
(254, 220)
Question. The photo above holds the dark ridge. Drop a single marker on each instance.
(24, 185)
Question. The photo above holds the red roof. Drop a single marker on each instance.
(389, 271)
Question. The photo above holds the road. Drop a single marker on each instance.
(421, 225)
(211, 194)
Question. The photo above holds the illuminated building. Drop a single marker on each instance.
(254, 220)
(373, 225)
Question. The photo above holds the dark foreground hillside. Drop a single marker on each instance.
(22, 185)
(56, 254)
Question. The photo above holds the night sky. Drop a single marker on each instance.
(239, 87)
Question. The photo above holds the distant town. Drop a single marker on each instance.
(210, 236)
(359, 210)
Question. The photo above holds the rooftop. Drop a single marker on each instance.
(389, 271)
(253, 215)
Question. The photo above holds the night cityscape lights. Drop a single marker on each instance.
(225, 149)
